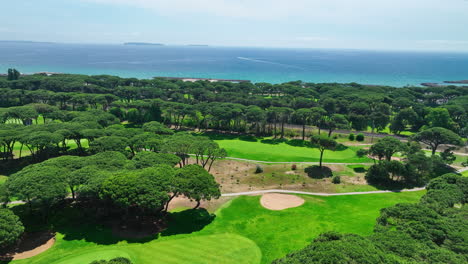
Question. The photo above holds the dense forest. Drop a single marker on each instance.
(242, 107)
(431, 231)
(124, 148)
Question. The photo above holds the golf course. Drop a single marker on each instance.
(242, 231)
(101, 169)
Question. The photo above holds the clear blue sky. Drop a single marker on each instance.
(362, 24)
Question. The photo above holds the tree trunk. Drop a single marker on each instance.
(274, 130)
(303, 131)
(198, 205)
(21, 150)
(167, 203)
(282, 129)
(321, 157)
(211, 163)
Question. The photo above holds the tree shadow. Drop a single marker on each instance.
(393, 186)
(317, 172)
(248, 138)
(188, 221)
(273, 141)
(341, 147)
(299, 143)
(359, 169)
(78, 223)
(217, 136)
(8, 167)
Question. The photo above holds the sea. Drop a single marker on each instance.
(394, 68)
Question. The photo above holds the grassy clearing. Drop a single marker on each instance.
(387, 131)
(459, 160)
(465, 173)
(284, 151)
(242, 232)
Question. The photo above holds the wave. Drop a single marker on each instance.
(270, 62)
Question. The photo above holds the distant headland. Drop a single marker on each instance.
(143, 44)
(458, 82)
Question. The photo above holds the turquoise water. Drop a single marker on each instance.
(255, 64)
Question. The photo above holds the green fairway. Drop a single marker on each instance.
(465, 173)
(242, 232)
(284, 152)
(219, 248)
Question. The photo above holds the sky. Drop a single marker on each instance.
(351, 24)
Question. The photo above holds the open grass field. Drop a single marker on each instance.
(242, 232)
(284, 151)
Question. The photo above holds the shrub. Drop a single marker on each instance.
(290, 133)
(336, 179)
(318, 173)
(258, 169)
(294, 167)
(360, 137)
(359, 169)
(11, 228)
(465, 163)
(377, 174)
(351, 137)
(361, 152)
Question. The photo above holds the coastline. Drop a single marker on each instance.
(398, 69)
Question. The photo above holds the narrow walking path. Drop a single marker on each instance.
(307, 193)
(317, 194)
(299, 162)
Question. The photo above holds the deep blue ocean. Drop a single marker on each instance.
(255, 64)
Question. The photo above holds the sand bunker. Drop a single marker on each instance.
(276, 201)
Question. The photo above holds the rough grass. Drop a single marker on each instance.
(284, 151)
(242, 232)
(239, 176)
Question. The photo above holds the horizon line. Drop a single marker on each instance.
(161, 44)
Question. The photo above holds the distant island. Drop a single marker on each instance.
(143, 44)
(25, 41)
(461, 81)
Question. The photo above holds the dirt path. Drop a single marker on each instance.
(318, 194)
(36, 251)
(300, 162)
(31, 245)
